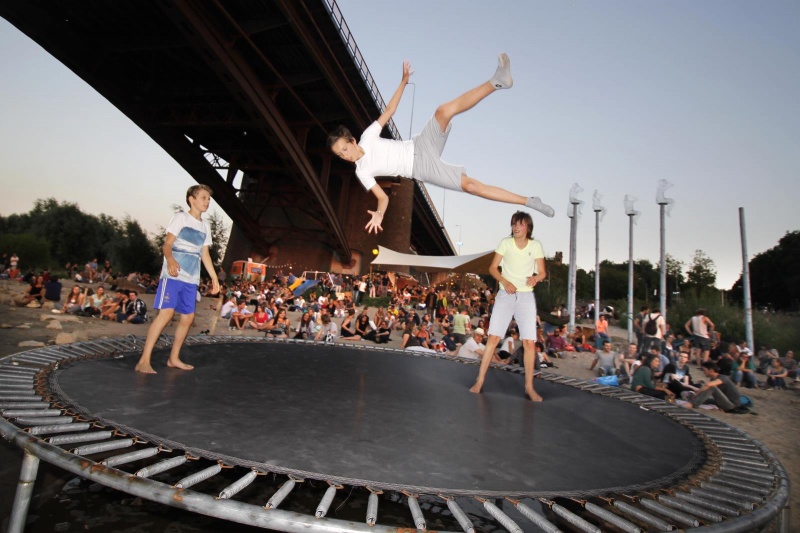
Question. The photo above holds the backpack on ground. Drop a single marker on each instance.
(651, 326)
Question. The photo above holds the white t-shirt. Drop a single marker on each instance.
(227, 309)
(469, 348)
(518, 264)
(383, 157)
(190, 237)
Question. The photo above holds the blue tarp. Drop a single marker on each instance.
(305, 286)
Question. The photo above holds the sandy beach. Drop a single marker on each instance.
(772, 420)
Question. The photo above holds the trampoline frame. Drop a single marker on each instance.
(741, 487)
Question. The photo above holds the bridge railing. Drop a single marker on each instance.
(355, 53)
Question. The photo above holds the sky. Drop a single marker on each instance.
(612, 95)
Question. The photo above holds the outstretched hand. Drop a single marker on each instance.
(374, 225)
(407, 72)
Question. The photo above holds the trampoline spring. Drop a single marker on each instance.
(740, 492)
(460, 516)
(654, 521)
(21, 370)
(708, 504)
(766, 481)
(737, 448)
(130, 457)
(197, 477)
(678, 516)
(746, 486)
(24, 405)
(20, 396)
(611, 518)
(501, 517)
(58, 428)
(575, 520)
(81, 437)
(17, 379)
(161, 466)
(11, 413)
(13, 387)
(745, 462)
(43, 421)
(372, 509)
(540, 521)
(722, 497)
(689, 508)
(416, 512)
(237, 486)
(325, 503)
(280, 495)
(764, 471)
(103, 447)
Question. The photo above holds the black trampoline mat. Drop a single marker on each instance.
(384, 418)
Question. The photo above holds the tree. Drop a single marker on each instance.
(33, 251)
(702, 273)
(134, 251)
(774, 276)
(219, 237)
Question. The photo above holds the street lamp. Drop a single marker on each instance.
(459, 243)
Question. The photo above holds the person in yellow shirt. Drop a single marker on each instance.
(522, 260)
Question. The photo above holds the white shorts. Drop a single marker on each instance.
(520, 306)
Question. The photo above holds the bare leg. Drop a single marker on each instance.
(156, 327)
(529, 347)
(501, 80)
(181, 331)
(488, 354)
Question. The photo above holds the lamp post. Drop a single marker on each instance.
(663, 202)
(599, 213)
(632, 216)
(573, 236)
(459, 243)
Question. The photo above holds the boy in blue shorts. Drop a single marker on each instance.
(186, 245)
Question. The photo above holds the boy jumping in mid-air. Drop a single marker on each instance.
(420, 157)
(186, 245)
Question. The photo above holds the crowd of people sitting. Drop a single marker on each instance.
(446, 321)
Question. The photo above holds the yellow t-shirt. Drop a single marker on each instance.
(518, 264)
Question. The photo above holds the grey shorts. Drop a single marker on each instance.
(428, 165)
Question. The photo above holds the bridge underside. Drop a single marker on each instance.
(242, 95)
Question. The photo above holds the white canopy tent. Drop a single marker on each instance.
(475, 263)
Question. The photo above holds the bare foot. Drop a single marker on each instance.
(533, 396)
(476, 388)
(179, 364)
(144, 368)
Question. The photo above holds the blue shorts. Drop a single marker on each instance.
(177, 295)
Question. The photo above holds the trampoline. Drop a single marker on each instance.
(387, 421)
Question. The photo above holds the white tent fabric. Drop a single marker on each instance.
(475, 263)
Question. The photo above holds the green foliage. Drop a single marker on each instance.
(33, 251)
(74, 236)
(702, 274)
(774, 276)
(383, 301)
(219, 237)
(134, 252)
(775, 330)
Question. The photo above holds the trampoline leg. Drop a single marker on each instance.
(22, 499)
(783, 521)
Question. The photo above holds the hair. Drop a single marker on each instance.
(194, 189)
(522, 216)
(645, 308)
(700, 311)
(326, 319)
(134, 292)
(711, 365)
(340, 133)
